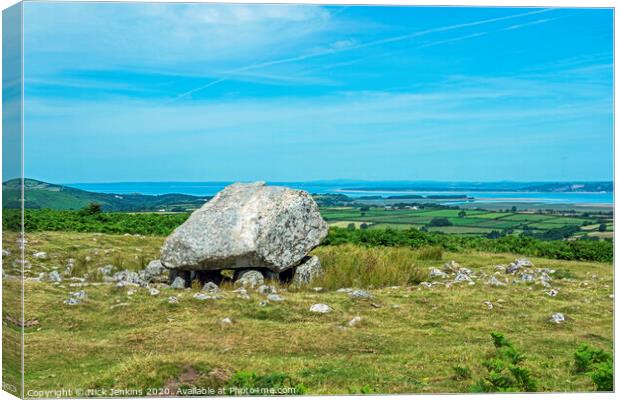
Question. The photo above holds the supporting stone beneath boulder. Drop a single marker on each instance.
(185, 275)
(249, 278)
(308, 270)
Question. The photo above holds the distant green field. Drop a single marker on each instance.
(474, 222)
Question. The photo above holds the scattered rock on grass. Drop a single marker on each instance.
(275, 297)
(451, 267)
(488, 304)
(266, 289)
(201, 296)
(436, 273)
(527, 278)
(558, 318)
(72, 301)
(242, 293)
(106, 270)
(552, 292)
(40, 255)
(153, 292)
(54, 276)
(360, 294)
(129, 277)
(493, 281)
(173, 300)
(226, 321)
(320, 308)
(355, 321)
(79, 295)
(518, 264)
(463, 277)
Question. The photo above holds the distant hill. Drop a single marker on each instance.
(485, 187)
(46, 195)
(572, 187)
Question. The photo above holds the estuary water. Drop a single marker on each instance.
(487, 196)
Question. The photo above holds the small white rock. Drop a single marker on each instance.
(493, 281)
(557, 318)
(266, 289)
(153, 291)
(355, 321)
(79, 295)
(275, 297)
(436, 273)
(320, 308)
(201, 296)
(72, 301)
(552, 292)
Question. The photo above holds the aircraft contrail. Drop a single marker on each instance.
(356, 47)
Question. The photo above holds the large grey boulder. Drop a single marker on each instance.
(247, 226)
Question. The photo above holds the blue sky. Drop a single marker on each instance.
(196, 92)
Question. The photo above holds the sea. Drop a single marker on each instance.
(357, 190)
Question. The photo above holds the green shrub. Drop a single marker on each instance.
(440, 221)
(366, 389)
(602, 375)
(504, 370)
(461, 372)
(85, 221)
(596, 364)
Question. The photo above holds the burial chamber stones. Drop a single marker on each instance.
(246, 226)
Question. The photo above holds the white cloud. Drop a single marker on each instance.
(190, 38)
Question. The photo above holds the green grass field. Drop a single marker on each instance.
(475, 222)
(410, 338)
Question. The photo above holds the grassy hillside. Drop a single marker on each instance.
(410, 338)
(39, 194)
